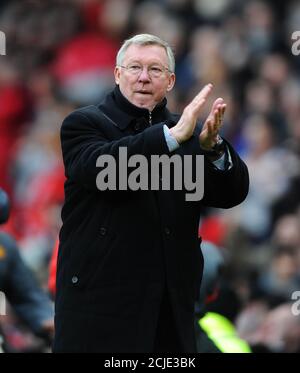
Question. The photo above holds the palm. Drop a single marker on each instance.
(210, 130)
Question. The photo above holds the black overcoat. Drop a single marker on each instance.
(119, 250)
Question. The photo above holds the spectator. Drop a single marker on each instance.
(27, 299)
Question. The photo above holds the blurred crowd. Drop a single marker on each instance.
(60, 55)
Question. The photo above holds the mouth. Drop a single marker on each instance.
(145, 93)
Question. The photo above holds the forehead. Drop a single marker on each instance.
(146, 53)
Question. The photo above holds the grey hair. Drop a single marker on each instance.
(146, 39)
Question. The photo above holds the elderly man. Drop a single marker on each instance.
(129, 265)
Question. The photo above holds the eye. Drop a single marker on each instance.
(134, 68)
(156, 69)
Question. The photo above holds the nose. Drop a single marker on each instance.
(144, 75)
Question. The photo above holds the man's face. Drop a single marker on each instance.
(142, 89)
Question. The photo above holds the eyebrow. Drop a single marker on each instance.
(151, 63)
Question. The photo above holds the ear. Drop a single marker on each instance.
(171, 82)
(117, 73)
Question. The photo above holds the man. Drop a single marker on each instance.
(217, 307)
(19, 286)
(129, 265)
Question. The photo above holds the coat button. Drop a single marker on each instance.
(103, 231)
(167, 231)
(74, 280)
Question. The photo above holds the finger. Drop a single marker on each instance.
(201, 97)
(205, 91)
(220, 116)
(212, 133)
(215, 116)
(217, 119)
(211, 130)
(223, 109)
(208, 136)
(218, 102)
(214, 107)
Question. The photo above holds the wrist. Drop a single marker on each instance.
(217, 150)
(176, 134)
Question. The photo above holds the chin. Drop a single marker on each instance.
(143, 105)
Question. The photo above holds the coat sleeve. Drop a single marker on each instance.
(228, 188)
(83, 142)
(28, 300)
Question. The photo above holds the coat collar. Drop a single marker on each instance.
(123, 113)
